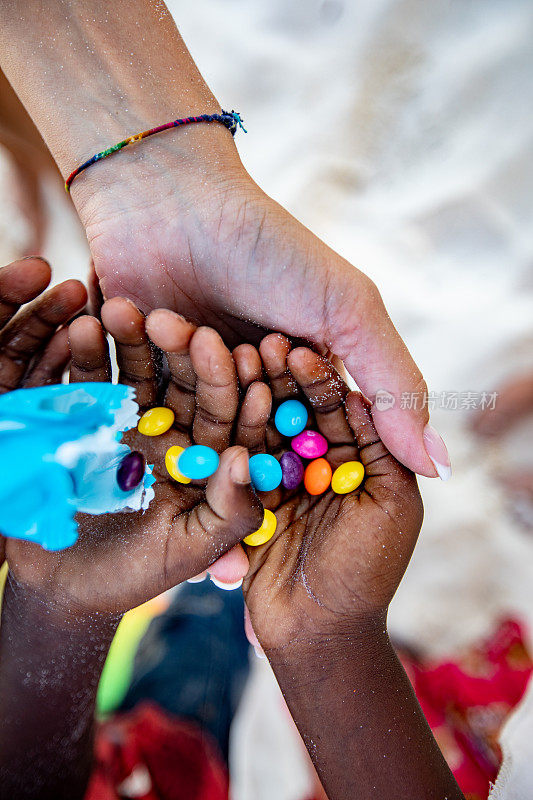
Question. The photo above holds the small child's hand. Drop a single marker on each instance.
(123, 559)
(335, 560)
(33, 339)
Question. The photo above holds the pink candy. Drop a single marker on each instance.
(310, 444)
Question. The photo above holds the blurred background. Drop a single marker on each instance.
(400, 132)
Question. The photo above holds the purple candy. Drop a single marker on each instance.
(310, 444)
(292, 470)
(131, 471)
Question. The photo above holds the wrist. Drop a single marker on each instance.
(350, 694)
(180, 163)
(361, 640)
(40, 613)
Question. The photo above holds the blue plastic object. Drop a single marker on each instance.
(198, 461)
(291, 418)
(265, 472)
(60, 451)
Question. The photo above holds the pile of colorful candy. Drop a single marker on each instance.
(267, 473)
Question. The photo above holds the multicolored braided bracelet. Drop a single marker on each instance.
(230, 119)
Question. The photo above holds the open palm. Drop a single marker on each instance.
(333, 557)
(123, 559)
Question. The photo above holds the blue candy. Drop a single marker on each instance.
(291, 418)
(265, 472)
(198, 461)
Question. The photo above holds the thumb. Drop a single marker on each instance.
(361, 332)
(231, 509)
(229, 570)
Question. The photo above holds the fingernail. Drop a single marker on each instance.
(239, 470)
(33, 258)
(173, 314)
(437, 452)
(260, 653)
(198, 578)
(226, 586)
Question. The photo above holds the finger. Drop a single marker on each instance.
(21, 282)
(172, 334)
(217, 395)
(391, 485)
(251, 635)
(373, 454)
(326, 392)
(31, 329)
(248, 364)
(253, 418)
(231, 512)
(361, 333)
(51, 365)
(229, 570)
(274, 350)
(136, 365)
(89, 351)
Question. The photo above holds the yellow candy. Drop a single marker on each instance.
(347, 477)
(171, 463)
(156, 421)
(265, 532)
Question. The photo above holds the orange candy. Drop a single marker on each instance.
(317, 476)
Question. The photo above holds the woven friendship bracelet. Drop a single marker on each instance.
(230, 119)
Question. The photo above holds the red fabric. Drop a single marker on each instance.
(163, 757)
(467, 701)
